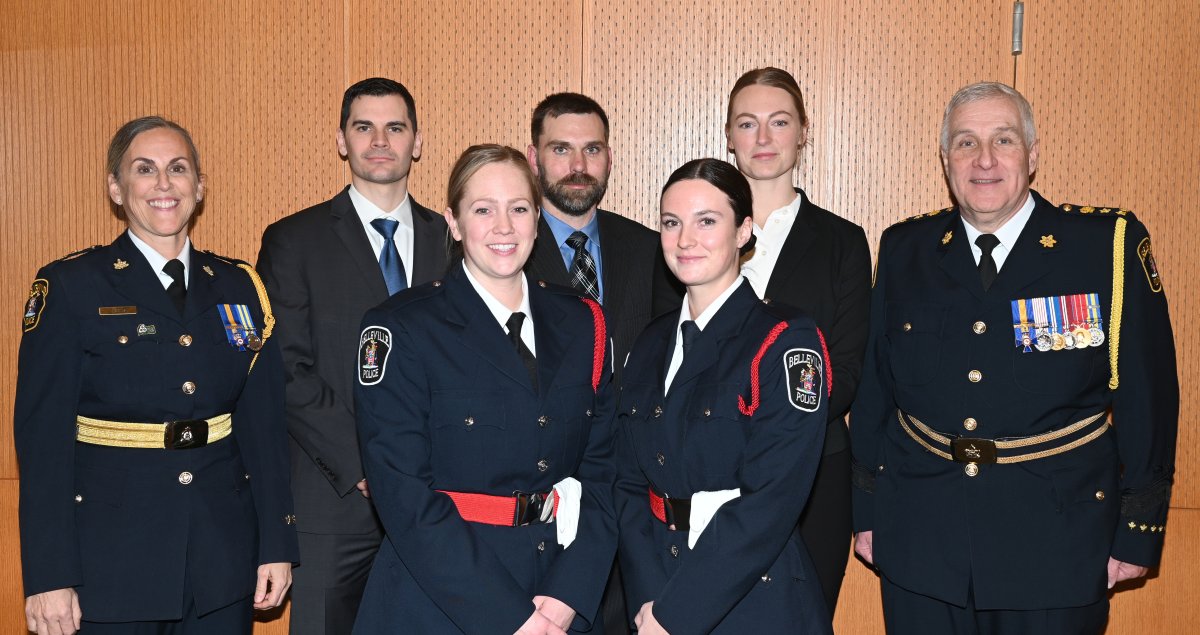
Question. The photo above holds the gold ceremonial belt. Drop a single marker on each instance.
(169, 435)
(974, 451)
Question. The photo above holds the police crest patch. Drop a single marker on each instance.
(373, 349)
(35, 304)
(805, 370)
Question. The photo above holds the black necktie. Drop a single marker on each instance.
(689, 331)
(177, 291)
(514, 333)
(987, 264)
(583, 268)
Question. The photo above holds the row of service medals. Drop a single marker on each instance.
(1056, 323)
(239, 327)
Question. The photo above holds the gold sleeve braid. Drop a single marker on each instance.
(1118, 301)
(264, 301)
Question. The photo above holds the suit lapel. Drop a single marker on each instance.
(203, 292)
(479, 331)
(429, 240)
(1029, 260)
(546, 262)
(796, 247)
(957, 260)
(552, 342)
(137, 281)
(348, 228)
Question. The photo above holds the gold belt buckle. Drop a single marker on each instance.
(186, 434)
(969, 450)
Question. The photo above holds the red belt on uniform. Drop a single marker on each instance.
(507, 511)
(674, 512)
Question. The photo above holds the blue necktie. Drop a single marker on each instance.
(389, 260)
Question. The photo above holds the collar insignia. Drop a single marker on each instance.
(1048, 241)
(120, 264)
(207, 269)
(946, 239)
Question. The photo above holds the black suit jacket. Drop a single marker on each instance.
(322, 276)
(825, 270)
(637, 285)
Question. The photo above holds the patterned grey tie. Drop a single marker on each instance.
(583, 268)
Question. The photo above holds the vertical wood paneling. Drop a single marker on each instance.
(475, 68)
(260, 83)
(1117, 105)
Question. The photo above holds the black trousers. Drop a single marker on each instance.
(826, 524)
(905, 612)
(327, 586)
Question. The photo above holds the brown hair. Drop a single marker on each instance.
(775, 78)
(477, 156)
(127, 133)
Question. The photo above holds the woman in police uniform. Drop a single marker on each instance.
(816, 261)
(149, 421)
(483, 415)
(722, 417)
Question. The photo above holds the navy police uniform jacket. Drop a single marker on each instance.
(131, 529)
(1035, 534)
(749, 571)
(444, 403)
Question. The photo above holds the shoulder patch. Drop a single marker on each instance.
(1146, 255)
(935, 212)
(1091, 210)
(373, 348)
(805, 370)
(35, 304)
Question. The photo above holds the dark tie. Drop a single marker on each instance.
(177, 291)
(389, 260)
(689, 330)
(583, 268)
(987, 264)
(514, 334)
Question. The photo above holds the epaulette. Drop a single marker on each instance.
(1089, 210)
(784, 312)
(560, 289)
(75, 254)
(414, 294)
(225, 259)
(936, 212)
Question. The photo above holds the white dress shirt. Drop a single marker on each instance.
(368, 211)
(1007, 234)
(157, 260)
(768, 244)
(702, 321)
(502, 313)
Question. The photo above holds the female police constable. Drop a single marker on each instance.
(482, 412)
(722, 415)
(149, 421)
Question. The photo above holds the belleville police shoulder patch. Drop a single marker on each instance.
(34, 305)
(805, 370)
(373, 348)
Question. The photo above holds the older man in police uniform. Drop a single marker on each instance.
(992, 489)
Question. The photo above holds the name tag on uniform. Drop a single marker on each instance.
(118, 310)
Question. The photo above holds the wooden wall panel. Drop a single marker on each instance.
(1117, 107)
(476, 70)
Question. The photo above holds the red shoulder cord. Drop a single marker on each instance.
(601, 338)
(755, 385)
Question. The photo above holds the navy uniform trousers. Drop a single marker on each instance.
(148, 535)
(445, 404)
(749, 571)
(1029, 536)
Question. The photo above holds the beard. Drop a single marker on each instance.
(571, 201)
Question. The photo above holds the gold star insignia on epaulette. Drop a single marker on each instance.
(1132, 525)
(1048, 241)
(1087, 209)
(1143, 526)
(1067, 207)
(207, 269)
(1122, 212)
(946, 239)
(120, 264)
(1105, 210)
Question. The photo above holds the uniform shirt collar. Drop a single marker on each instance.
(501, 313)
(1008, 233)
(157, 260)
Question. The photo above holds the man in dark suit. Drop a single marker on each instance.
(608, 257)
(324, 268)
(989, 488)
